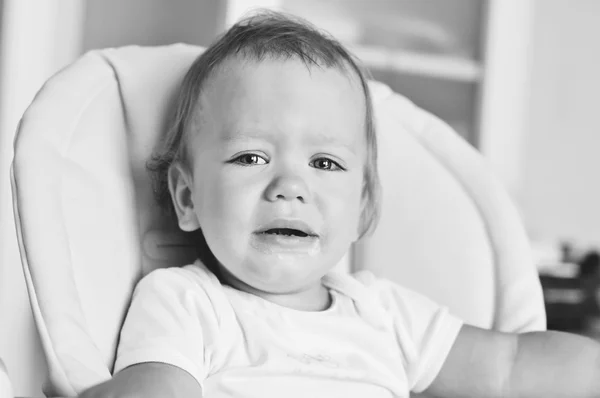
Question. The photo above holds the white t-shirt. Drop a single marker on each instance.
(377, 339)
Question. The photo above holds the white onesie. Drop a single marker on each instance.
(377, 339)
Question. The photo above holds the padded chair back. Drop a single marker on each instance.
(89, 228)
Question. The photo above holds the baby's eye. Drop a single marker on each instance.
(249, 159)
(325, 164)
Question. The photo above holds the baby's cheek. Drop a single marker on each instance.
(349, 191)
(344, 202)
(224, 213)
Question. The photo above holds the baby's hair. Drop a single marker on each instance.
(264, 35)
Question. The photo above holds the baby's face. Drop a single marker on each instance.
(278, 152)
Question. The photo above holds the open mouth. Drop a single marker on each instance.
(286, 232)
(286, 236)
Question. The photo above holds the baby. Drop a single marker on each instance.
(272, 156)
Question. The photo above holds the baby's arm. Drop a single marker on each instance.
(484, 363)
(147, 380)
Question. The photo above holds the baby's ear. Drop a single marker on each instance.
(180, 186)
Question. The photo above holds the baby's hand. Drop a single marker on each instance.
(147, 380)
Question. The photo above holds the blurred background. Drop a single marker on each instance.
(518, 79)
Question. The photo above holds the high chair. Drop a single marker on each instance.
(89, 228)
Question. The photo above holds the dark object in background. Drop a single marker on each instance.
(589, 265)
(572, 302)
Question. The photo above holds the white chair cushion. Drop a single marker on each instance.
(448, 228)
(89, 227)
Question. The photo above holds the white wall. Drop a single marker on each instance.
(560, 182)
(503, 113)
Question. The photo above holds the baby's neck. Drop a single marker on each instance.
(314, 299)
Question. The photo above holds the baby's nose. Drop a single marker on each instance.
(289, 188)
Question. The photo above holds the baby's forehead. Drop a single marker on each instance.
(269, 82)
(271, 95)
(234, 70)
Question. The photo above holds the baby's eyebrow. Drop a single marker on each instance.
(331, 141)
(236, 136)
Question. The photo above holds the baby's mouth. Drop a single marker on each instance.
(287, 232)
(297, 238)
